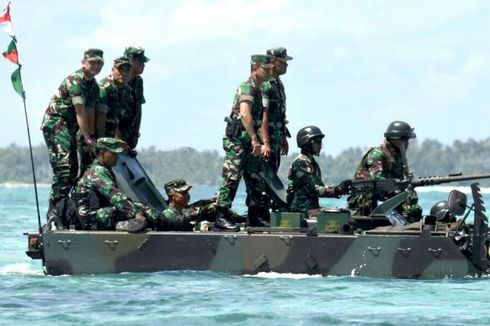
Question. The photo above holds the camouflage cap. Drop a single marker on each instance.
(261, 59)
(111, 144)
(178, 185)
(136, 52)
(279, 53)
(121, 61)
(94, 55)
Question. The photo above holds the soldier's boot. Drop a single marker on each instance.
(131, 225)
(221, 223)
(256, 217)
(53, 217)
(51, 210)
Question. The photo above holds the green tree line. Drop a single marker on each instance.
(429, 157)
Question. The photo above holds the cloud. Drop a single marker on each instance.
(164, 23)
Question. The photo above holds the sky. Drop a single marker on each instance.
(358, 65)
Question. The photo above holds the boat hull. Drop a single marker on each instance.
(372, 255)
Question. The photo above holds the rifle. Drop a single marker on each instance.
(387, 186)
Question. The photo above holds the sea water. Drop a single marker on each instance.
(28, 297)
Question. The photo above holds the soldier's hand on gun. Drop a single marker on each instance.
(255, 147)
(344, 187)
(265, 150)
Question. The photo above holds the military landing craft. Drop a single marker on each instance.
(335, 243)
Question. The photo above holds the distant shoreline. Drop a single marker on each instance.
(446, 189)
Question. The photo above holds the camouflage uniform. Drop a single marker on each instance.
(238, 157)
(383, 162)
(305, 185)
(131, 117)
(114, 102)
(201, 210)
(275, 102)
(274, 99)
(100, 203)
(60, 128)
(129, 129)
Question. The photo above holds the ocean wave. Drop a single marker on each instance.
(275, 275)
(20, 269)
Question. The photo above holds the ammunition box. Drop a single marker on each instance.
(332, 220)
(286, 219)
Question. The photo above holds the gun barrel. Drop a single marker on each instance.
(429, 181)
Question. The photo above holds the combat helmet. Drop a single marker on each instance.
(440, 210)
(306, 134)
(399, 130)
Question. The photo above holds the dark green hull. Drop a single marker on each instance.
(373, 255)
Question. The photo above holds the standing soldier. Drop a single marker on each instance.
(71, 108)
(131, 120)
(387, 161)
(305, 185)
(242, 144)
(115, 95)
(275, 104)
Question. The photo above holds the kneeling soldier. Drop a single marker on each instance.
(101, 204)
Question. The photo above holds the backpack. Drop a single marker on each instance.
(66, 211)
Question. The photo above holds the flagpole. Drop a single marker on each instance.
(32, 160)
(19, 88)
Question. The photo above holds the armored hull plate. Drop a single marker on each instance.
(374, 255)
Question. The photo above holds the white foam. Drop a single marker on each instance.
(275, 275)
(13, 185)
(20, 269)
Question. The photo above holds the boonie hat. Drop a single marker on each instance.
(121, 61)
(136, 52)
(111, 144)
(177, 185)
(261, 59)
(94, 55)
(279, 53)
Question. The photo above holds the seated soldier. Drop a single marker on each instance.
(305, 184)
(102, 206)
(178, 195)
(387, 161)
(179, 209)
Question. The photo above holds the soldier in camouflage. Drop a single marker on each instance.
(305, 184)
(115, 97)
(131, 119)
(242, 144)
(187, 214)
(102, 206)
(387, 161)
(274, 98)
(71, 109)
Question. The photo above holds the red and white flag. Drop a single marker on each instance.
(5, 21)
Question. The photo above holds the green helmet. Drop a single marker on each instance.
(306, 134)
(399, 130)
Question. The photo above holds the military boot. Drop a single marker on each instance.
(256, 217)
(51, 210)
(221, 223)
(131, 225)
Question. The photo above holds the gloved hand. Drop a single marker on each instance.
(343, 188)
